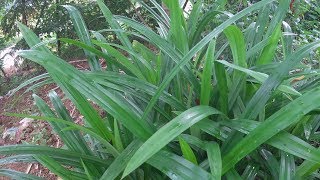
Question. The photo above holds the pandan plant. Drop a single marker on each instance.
(208, 95)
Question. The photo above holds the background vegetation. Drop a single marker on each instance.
(50, 21)
(224, 90)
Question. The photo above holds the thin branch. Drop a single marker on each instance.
(138, 14)
(185, 4)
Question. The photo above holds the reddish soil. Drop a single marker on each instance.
(33, 132)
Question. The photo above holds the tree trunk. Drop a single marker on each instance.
(58, 31)
(4, 73)
(24, 13)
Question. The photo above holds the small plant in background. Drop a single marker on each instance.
(2, 46)
(209, 101)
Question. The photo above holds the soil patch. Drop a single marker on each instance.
(15, 130)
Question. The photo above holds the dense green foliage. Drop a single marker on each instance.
(48, 19)
(305, 22)
(209, 95)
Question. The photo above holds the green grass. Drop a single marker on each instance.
(181, 110)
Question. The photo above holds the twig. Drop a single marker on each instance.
(28, 168)
(58, 143)
(54, 89)
(73, 109)
(81, 67)
(75, 61)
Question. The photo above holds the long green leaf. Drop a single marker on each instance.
(250, 172)
(17, 158)
(18, 175)
(22, 158)
(203, 22)
(176, 167)
(280, 14)
(117, 137)
(167, 133)
(113, 23)
(53, 152)
(287, 166)
(206, 79)
(177, 26)
(161, 20)
(271, 163)
(123, 60)
(287, 39)
(283, 141)
(83, 34)
(194, 18)
(187, 151)
(269, 51)
(261, 77)
(119, 164)
(222, 84)
(306, 168)
(258, 101)
(163, 13)
(117, 107)
(90, 115)
(73, 126)
(73, 140)
(215, 162)
(212, 128)
(237, 45)
(165, 46)
(57, 169)
(194, 141)
(137, 84)
(30, 81)
(31, 38)
(89, 176)
(285, 117)
(233, 175)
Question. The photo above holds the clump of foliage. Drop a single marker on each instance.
(2, 46)
(49, 19)
(209, 101)
(305, 22)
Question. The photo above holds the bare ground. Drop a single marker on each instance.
(15, 130)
